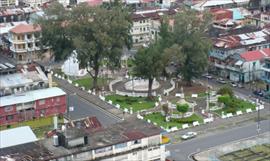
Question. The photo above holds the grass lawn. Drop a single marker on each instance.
(137, 103)
(160, 120)
(39, 126)
(87, 82)
(255, 153)
(241, 105)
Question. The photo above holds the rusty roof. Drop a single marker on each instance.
(25, 28)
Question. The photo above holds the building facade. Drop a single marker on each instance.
(24, 42)
(32, 104)
(266, 73)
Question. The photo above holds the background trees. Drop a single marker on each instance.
(189, 41)
(97, 33)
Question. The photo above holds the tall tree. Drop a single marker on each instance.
(149, 64)
(97, 33)
(189, 33)
(55, 34)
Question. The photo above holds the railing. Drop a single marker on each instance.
(265, 69)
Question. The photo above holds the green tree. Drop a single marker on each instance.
(183, 108)
(226, 90)
(190, 33)
(149, 64)
(97, 33)
(55, 34)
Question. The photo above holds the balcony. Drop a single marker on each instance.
(18, 50)
(16, 41)
(264, 68)
(220, 66)
(234, 68)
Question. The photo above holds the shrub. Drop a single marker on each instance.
(226, 99)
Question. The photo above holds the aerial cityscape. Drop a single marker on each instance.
(135, 80)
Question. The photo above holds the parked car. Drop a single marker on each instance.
(258, 93)
(189, 135)
(221, 80)
(233, 84)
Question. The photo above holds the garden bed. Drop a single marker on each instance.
(87, 82)
(236, 105)
(137, 103)
(160, 120)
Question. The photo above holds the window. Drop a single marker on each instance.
(9, 117)
(29, 36)
(41, 102)
(122, 145)
(137, 141)
(58, 99)
(8, 108)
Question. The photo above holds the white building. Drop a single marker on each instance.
(71, 66)
(201, 5)
(8, 3)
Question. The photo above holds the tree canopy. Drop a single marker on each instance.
(149, 64)
(96, 33)
(189, 41)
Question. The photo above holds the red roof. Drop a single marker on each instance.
(256, 55)
(94, 2)
(25, 28)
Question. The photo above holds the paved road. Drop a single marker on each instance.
(82, 109)
(181, 151)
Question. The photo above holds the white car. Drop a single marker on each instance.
(233, 84)
(222, 81)
(189, 135)
(208, 76)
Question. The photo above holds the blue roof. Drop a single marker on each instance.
(16, 136)
(31, 96)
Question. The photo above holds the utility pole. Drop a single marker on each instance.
(258, 119)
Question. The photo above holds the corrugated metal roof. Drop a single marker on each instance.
(31, 96)
(16, 136)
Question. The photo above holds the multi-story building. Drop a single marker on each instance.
(266, 73)
(8, 3)
(227, 46)
(24, 42)
(146, 25)
(32, 104)
(130, 140)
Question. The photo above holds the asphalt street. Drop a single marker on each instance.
(182, 151)
(82, 108)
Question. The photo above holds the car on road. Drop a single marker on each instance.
(240, 85)
(233, 84)
(189, 135)
(208, 76)
(258, 93)
(221, 80)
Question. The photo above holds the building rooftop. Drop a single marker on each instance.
(28, 78)
(25, 28)
(30, 96)
(246, 39)
(16, 136)
(255, 55)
